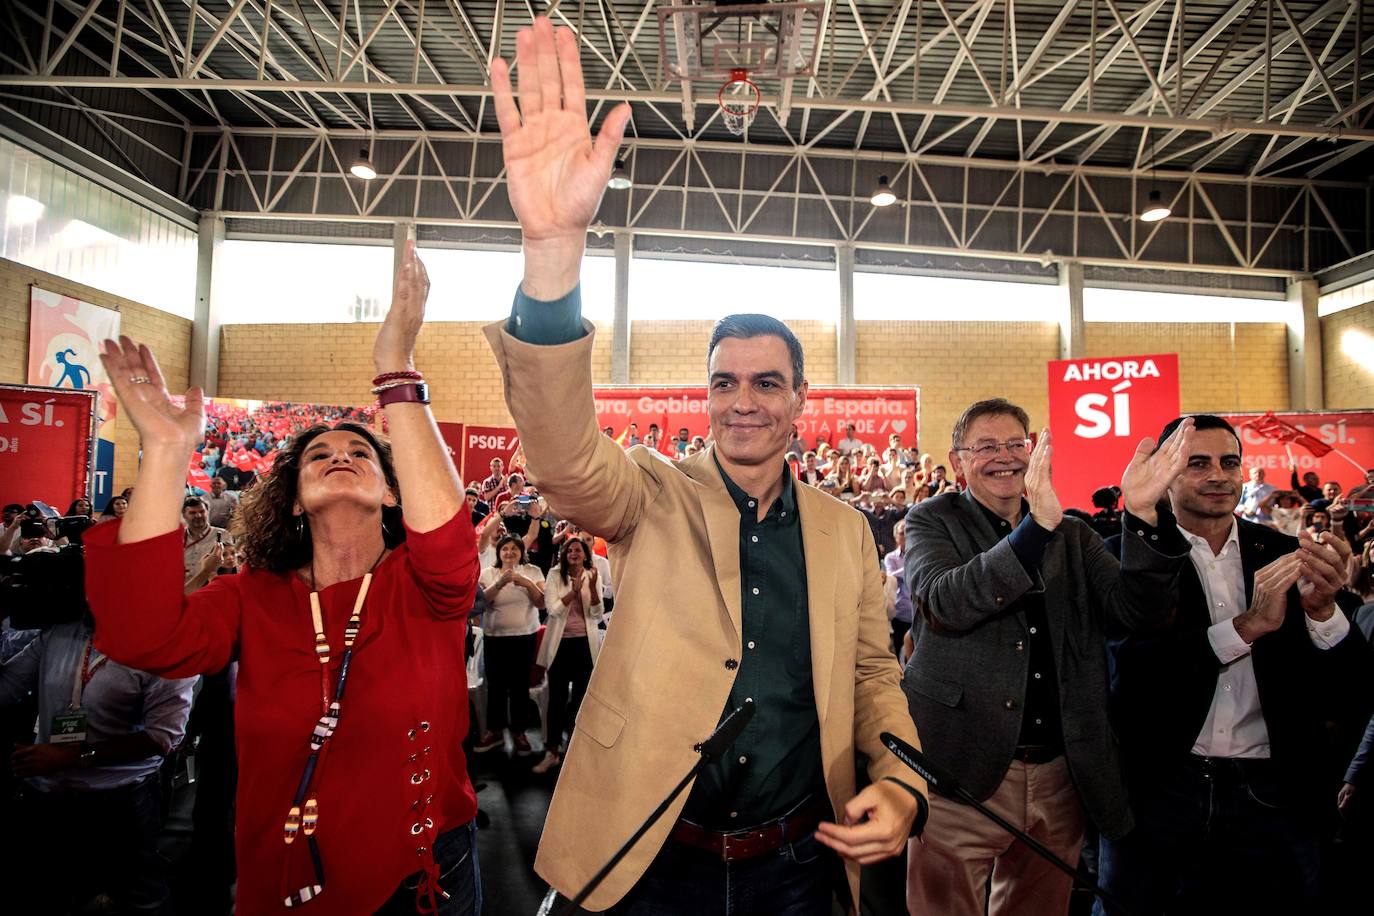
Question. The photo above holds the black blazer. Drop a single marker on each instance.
(1163, 682)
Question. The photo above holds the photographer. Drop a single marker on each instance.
(207, 551)
(90, 793)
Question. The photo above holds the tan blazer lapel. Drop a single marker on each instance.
(818, 543)
(722, 530)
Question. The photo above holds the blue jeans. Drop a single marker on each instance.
(1213, 836)
(455, 852)
(799, 879)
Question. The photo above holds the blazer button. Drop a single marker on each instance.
(1009, 704)
(1019, 645)
(731, 664)
(998, 599)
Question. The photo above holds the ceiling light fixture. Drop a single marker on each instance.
(1155, 209)
(883, 195)
(362, 167)
(620, 179)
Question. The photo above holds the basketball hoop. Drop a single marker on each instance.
(739, 102)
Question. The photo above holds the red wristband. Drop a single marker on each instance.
(417, 393)
(392, 376)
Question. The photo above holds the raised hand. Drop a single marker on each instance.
(1148, 476)
(138, 381)
(555, 172)
(394, 349)
(1044, 501)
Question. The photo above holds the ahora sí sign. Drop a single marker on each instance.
(1100, 409)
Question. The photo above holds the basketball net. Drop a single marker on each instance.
(739, 102)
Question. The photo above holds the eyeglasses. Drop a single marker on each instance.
(1016, 448)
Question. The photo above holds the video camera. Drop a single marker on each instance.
(47, 586)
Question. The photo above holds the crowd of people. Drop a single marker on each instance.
(1178, 681)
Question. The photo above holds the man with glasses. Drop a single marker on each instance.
(1007, 681)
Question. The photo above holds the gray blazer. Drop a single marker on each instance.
(966, 679)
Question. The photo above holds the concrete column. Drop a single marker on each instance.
(205, 330)
(620, 330)
(845, 347)
(1071, 329)
(1304, 347)
(401, 233)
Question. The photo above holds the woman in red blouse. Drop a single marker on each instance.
(355, 803)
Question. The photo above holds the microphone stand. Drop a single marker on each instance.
(710, 750)
(937, 778)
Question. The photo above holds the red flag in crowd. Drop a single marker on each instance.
(1271, 427)
(195, 473)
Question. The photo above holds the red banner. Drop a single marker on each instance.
(483, 443)
(1100, 409)
(1349, 436)
(452, 434)
(875, 412)
(45, 444)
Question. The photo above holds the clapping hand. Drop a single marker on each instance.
(394, 349)
(1151, 471)
(1269, 601)
(1044, 501)
(1323, 559)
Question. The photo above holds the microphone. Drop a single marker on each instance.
(726, 732)
(710, 750)
(943, 781)
(938, 779)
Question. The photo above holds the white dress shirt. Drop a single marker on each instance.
(1235, 724)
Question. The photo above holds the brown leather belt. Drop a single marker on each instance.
(761, 840)
(1036, 753)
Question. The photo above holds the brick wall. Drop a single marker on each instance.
(1348, 357)
(1221, 367)
(168, 335)
(332, 364)
(956, 363)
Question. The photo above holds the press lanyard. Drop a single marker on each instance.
(84, 674)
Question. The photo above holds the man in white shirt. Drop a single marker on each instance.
(1222, 714)
(849, 443)
(1253, 495)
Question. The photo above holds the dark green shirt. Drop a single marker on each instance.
(776, 762)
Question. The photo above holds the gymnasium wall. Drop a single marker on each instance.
(1348, 357)
(167, 334)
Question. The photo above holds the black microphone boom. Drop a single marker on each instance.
(942, 781)
(710, 750)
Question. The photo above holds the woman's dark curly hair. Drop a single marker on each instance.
(265, 529)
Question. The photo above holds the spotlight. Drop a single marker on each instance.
(1155, 210)
(882, 194)
(362, 167)
(620, 179)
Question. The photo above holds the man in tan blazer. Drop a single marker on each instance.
(734, 585)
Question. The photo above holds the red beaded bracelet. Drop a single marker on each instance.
(391, 376)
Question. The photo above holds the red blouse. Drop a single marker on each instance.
(396, 759)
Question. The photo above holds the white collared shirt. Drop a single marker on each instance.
(1235, 724)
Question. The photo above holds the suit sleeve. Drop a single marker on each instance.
(586, 478)
(1141, 590)
(879, 704)
(955, 594)
(155, 627)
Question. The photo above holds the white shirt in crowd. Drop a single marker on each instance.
(1251, 496)
(513, 613)
(1235, 724)
(848, 445)
(603, 573)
